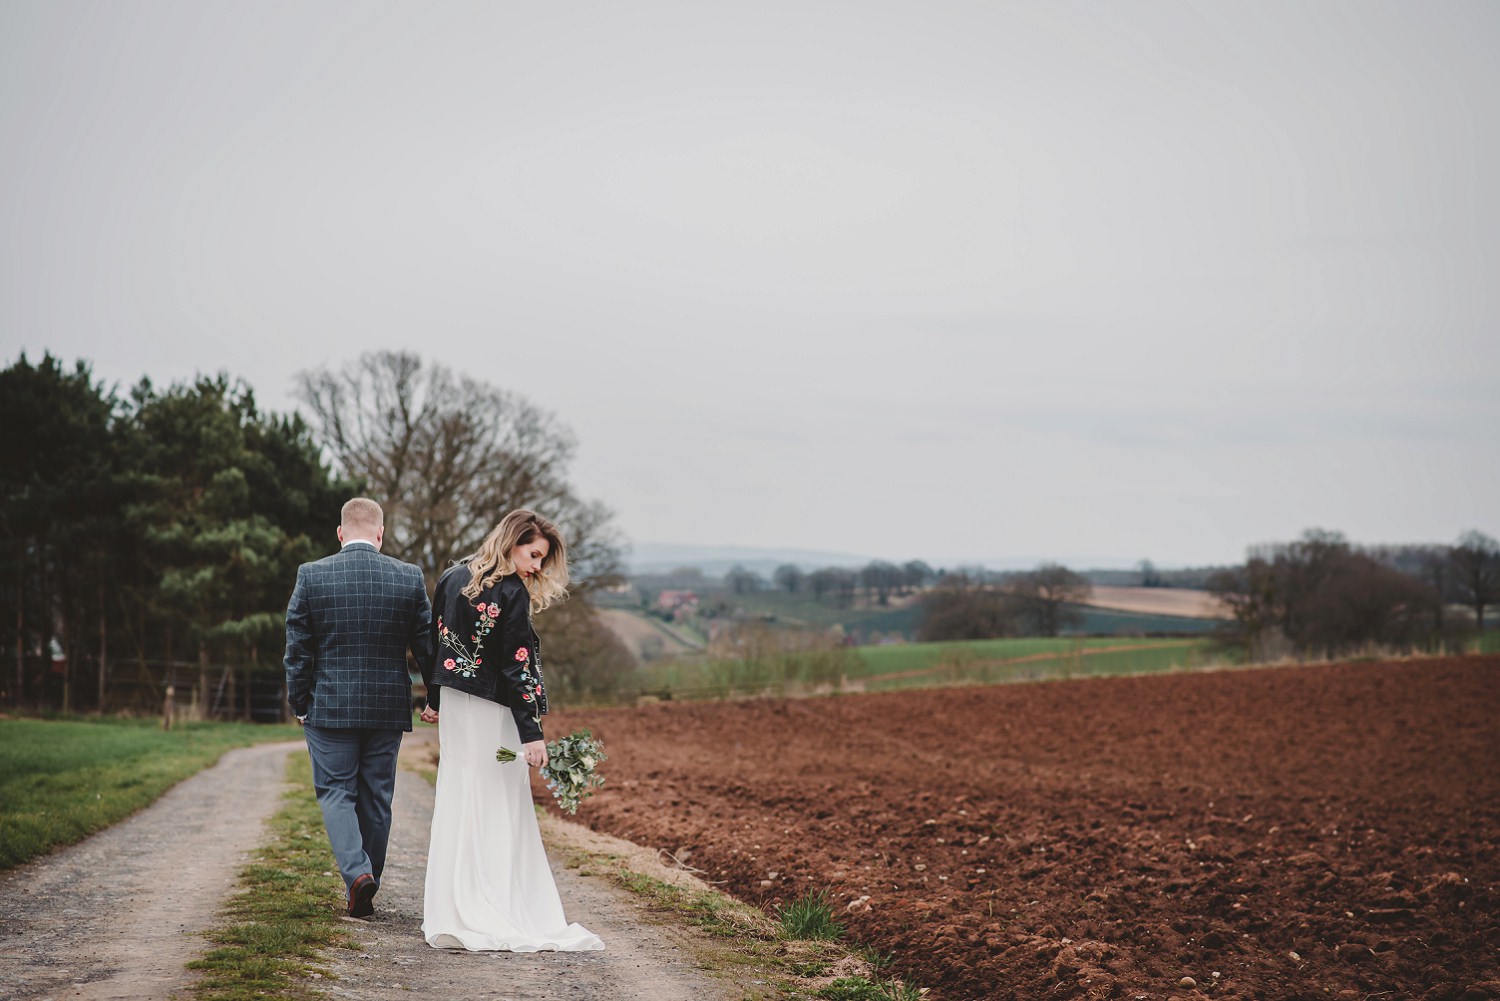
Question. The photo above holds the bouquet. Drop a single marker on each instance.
(570, 771)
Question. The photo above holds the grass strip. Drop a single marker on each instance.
(735, 940)
(287, 912)
(64, 779)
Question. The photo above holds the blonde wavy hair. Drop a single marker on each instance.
(492, 560)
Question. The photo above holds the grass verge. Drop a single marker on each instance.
(727, 937)
(287, 912)
(62, 780)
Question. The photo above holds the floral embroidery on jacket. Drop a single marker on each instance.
(466, 662)
(530, 690)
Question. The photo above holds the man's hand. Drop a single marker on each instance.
(535, 752)
(429, 715)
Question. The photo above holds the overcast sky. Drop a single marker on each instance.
(951, 281)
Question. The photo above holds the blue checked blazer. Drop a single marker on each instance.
(348, 626)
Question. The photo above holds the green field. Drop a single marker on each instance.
(918, 665)
(62, 780)
(991, 661)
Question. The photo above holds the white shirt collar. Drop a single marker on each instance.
(357, 542)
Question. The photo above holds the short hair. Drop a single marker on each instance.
(361, 512)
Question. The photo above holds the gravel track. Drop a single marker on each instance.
(641, 961)
(116, 916)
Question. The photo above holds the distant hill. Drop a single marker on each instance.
(716, 561)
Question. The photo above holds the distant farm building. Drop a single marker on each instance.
(680, 603)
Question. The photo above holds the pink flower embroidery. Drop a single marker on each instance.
(522, 653)
(450, 663)
(493, 610)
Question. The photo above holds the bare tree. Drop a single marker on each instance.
(1476, 572)
(1047, 593)
(741, 580)
(961, 607)
(881, 578)
(1321, 595)
(584, 658)
(915, 573)
(447, 456)
(1250, 593)
(788, 577)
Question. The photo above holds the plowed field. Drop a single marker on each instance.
(1313, 832)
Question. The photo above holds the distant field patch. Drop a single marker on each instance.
(645, 637)
(1178, 601)
(1116, 622)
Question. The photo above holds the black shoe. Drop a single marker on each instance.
(362, 896)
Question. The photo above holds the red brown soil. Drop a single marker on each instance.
(1311, 832)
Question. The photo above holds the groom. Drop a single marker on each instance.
(351, 619)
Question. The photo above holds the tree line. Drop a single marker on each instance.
(972, 605)
(879, 579)
(1323, 595)
(965, 603)
(156, 532)
(1319, 595)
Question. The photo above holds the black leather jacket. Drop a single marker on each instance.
(487, 647)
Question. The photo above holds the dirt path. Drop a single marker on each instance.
(641, 961)
(114, 917)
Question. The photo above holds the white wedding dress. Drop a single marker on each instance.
(489, 887)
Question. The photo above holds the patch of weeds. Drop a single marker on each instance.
(851, 989)
(810, 917)
(287, 912)
(861, 989)
(878, 960)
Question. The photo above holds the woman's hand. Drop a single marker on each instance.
(429, 715)
(535, 753)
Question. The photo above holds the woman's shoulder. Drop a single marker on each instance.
(511, 585)
(455, 568)
(454, 578)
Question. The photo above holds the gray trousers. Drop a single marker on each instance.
(354, 774)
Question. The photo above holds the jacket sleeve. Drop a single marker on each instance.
(423, 639)
(514, 655)
(299, 649)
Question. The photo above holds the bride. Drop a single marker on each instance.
(488, 883)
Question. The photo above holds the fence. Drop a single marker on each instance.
(149, 688)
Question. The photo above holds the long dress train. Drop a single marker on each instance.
(488, 883)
